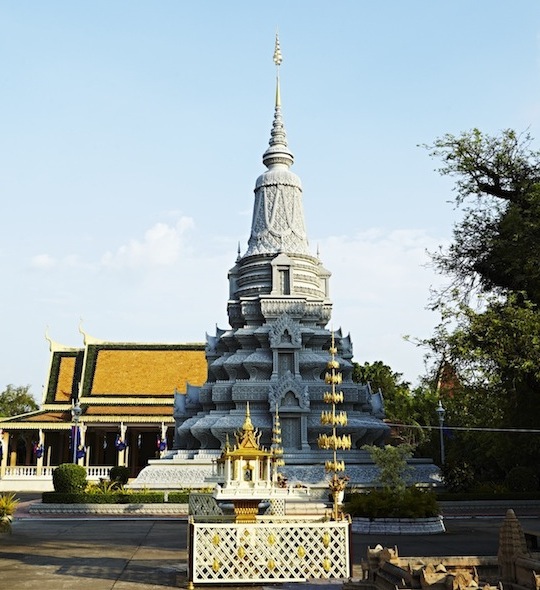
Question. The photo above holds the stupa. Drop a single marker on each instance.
(274, 354)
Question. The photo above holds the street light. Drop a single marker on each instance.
(440, 412)
(75, 415)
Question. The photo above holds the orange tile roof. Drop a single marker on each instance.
(49, 417)
(65, 379)
(146, 371)
(64, 376)
(129, 411)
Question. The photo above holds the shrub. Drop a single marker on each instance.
(521, 479)
(69, 478)
(181, 497)
(116, 497)
(8, 505)
(383, 503)
(143, 497)
(104, 487)
(119, 474)
(77, 498)
(392, 464)
(489, 488)
(457, 476)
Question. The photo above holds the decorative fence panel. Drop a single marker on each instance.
(268, 551)
(203, 504)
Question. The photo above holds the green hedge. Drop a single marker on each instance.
(113, 498)
(178, 497)
(142, 498)
(472, 496)
(411, 503)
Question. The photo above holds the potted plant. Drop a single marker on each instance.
(8, 505)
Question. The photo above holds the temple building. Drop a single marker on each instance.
(120, 396)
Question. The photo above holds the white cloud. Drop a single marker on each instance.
(177, 292)
(161, 245)
(380, 288)
(43, 262)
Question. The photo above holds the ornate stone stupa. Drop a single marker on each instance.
(275, 353)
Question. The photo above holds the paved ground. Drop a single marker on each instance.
(145, 554)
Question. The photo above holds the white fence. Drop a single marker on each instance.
(94, 472)
(266, 552)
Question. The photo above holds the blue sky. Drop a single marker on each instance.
(132, 135)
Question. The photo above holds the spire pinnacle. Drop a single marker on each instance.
(278, 58)
(278, 153)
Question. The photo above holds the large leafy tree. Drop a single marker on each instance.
(490, 333)
(408, 409)
(16, 400)
(496, 245)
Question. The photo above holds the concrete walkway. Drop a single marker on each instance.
(95, 554)
(151, 553)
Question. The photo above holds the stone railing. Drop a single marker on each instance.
(27, 471)
(94, 472)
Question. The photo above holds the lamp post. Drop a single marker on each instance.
(75, 415)
(440, 412)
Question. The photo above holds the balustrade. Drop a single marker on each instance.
(94, 472)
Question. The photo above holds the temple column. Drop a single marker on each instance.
(48, 451)
(163, 439)
(82, 433)
(13, 452)
(4, 446)
(122, 449)
(256, 471)
(41, 448)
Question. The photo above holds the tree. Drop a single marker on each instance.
(392, 464)
(16, 400)
(496, 245)
(381, 377)
(402, 405)
(496, 354)
(493, 346)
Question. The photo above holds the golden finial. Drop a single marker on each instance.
(248, 425)
(278, 58)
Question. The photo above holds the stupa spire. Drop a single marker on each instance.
(278, 154)
(278, 214)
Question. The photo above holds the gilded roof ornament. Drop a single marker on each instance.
(248, 437)
(248, 425)
(278, 58)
